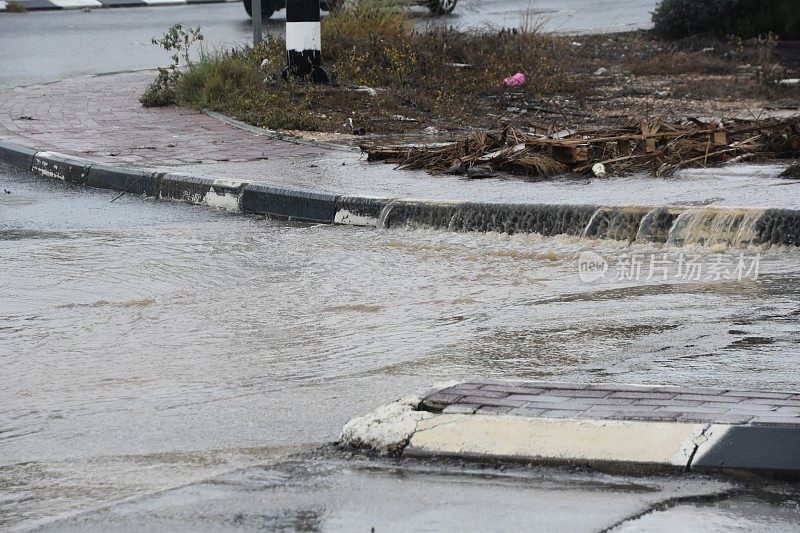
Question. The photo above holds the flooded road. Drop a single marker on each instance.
(146, 345)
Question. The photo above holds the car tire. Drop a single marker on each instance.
(442, 7)
(267, 8)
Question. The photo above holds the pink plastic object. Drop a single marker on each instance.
(517, 80)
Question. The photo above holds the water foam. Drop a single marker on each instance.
(674, 225)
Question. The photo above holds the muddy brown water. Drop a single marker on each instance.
(146, 344)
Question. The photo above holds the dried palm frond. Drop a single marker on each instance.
(661, 148)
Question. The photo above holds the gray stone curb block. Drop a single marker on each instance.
(131, 181)
(779, 226)
(62, 167)
(771, 450)
(17, 155)
(655, 225)
(482, 217)
(618, 223)
(775, 226)
(359, 210)
(184, 188)
(226, 194)
(292, 204)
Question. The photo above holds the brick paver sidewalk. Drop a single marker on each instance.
(100, 118)
(620, 402)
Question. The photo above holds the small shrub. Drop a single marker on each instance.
(161, 91)
(15, 7)
(232, 82)
(179, 42)
(676, 19)
(440, 73)
(373, 44)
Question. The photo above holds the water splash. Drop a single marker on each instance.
(673, 225)
(386, 211)
(711, 226)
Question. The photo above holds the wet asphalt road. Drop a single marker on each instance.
(107, 395)
(42, 46)
(152, 349)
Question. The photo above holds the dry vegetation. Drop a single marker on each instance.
(391, 79)
(659, 147)
(12, 6)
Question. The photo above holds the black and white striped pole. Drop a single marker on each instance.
(304, 41)
(256, 10)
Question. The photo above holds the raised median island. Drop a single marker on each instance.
(637, 428)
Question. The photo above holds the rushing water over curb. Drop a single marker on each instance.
(735, 227)
(673, 225)
(676, 225)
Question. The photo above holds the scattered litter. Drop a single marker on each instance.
(479, 172)
(599, 170)
(354, 130)
(364, 89)
(265, 64)
(602, 71)
(707, 49)
(459, 65)
(517, 80)
(656, 145)
(513, 109)
(563, 133)
(430, 130)
(575, 44)
(402, 118)
(790, 81)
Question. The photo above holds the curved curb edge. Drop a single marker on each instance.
(772, 226)
(232, 195)
(275, 134)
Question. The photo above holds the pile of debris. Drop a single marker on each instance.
(654, 146)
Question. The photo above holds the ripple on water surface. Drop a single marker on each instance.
(142, 327)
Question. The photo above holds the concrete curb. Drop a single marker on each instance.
(292, 204)
(274, 134)
(16, 155)
(635, 444)
(651, 223)
(50, 5)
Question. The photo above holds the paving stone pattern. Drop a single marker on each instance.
(618, 402)
(100, 118)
